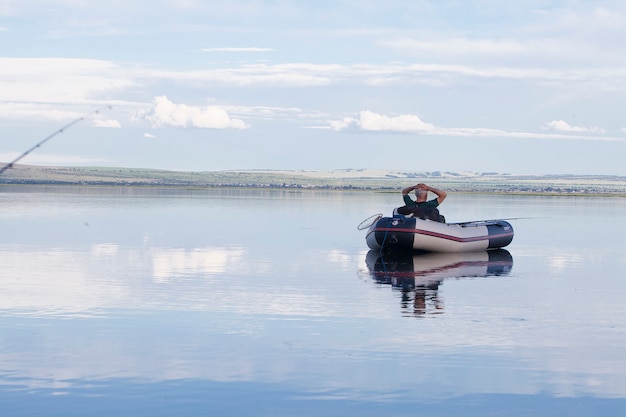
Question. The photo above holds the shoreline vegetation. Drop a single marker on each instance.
(344, 179)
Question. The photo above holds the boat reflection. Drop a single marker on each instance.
(419, 275)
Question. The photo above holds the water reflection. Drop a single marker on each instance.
(180, 303)
(418, 275)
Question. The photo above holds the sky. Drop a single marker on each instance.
(520, 87)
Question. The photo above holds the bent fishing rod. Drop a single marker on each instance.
(47, 138)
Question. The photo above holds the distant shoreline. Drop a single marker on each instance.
(34, 187)
(347, 179)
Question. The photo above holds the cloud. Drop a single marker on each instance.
(60, 80)
(271, 112)
(36, 111)
(519, 53)
(50, 159)
(400, 74)
(368, 121)
(49, 81)
(460, 46)
(371, 121)
(167, 113)
(252, 49)
(106, 123)
(149, 135)
(562, 126)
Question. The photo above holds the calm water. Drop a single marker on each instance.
(119, 302)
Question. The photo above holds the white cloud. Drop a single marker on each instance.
(167, 113)
(59, 80)
(562, 126)
(252, 49)
(106, 123)
(35, 111)
(50, 159)
(368, 121)
(371, 121)
(402, 74)
(149, 135)
(271, 112)
(516, 52)
(460, 46)
(32, 86)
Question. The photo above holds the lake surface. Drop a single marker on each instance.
(228, 302)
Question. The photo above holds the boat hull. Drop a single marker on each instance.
(410, 233)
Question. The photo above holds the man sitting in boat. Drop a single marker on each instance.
(422, 207)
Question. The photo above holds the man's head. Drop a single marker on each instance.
(420, 195)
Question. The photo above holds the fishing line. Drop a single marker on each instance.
(47, 138)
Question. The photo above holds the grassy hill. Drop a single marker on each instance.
(336, 179)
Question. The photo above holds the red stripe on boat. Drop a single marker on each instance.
(441, 235)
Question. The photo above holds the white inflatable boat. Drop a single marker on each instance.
(410, 233)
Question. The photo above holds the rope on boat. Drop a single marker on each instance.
(365, 224)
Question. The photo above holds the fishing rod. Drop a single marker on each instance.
(492, 221)
(47, 138)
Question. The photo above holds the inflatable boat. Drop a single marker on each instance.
(411, 233)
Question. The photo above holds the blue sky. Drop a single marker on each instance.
(527, 86)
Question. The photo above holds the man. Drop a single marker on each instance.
(422, 207)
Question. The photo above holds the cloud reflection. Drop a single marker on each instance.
(169, 263)
(104, 276)
(53, 281)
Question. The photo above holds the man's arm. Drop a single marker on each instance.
(441, 195)
(407, 190)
